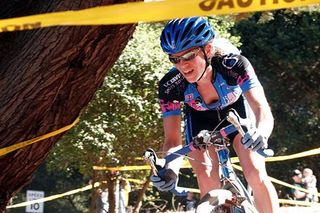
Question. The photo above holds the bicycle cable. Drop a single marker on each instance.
(206, 150)
(218, 126)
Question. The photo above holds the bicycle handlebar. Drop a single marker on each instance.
(158, 164)
(235, 119)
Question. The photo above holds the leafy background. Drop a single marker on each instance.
(124, 117)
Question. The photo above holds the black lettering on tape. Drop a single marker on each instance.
(10, 28)
(223, 3)
(30, 26)
(26, 26)
(207, 5)
(244, 3)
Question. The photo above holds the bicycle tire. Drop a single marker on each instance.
(237, 188)
(212, 200)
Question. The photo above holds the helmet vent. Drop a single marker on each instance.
(198, 41)
(177, 35)
(182, 34)
(201, 29)
(206, 34)
(187, 30)
(168, 37)
(186, 44)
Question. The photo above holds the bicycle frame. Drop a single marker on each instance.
(221, 150)
(220, 144)
(223, 157)
(228, 173)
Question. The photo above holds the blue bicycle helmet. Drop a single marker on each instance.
(181, 34)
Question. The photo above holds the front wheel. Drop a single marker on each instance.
(222, 201)
(241, 196)
(248, 207)
(212, 202)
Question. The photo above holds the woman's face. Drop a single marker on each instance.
(296, 178)
(190, 63)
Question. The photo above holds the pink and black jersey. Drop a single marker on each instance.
(234, 75)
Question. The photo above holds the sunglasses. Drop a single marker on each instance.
(186, 57)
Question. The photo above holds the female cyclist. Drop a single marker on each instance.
(209, 83)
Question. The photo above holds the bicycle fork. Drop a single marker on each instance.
(225, 164)
(229, 177)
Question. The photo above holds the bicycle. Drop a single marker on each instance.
(233, 197)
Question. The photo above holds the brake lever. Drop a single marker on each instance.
(152, 159)
(157, 166)
(234, 118)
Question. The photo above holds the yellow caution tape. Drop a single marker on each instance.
(20, 145)
(294, 156)
(138, 181)
(122, 168)
(293, 202)
(300, 203)
(290, 186)
(134, 12)
(233, 160)
(278, 181)
(53, 197)
(286, 157)
(186, 163)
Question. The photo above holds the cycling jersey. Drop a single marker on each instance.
(233, 76)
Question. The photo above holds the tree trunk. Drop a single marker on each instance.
(47, 77)
(111, 195)
(142, 192)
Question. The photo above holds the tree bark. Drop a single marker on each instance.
(110, 176)
(142, 192)
(47, 77)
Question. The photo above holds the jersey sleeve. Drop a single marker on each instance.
(241, 72)
(170, 90)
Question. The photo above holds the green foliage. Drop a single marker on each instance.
(285, 52)
(124, 117)
(284, 49)
(56, 183)
(222, 26)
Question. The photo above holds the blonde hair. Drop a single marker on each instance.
(224, 46)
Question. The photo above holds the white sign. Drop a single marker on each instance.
(35, 207)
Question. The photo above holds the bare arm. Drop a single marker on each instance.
(173, 139)
(261, 109)
(298, 194)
